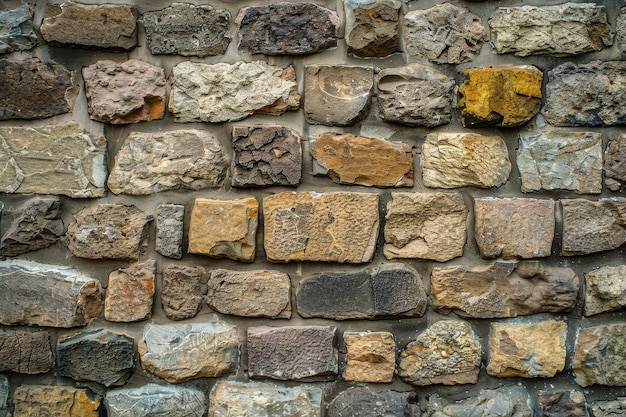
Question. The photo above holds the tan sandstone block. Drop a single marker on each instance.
(371, 356)
(35, 400)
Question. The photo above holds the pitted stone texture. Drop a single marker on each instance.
(554, 160)
(425, 226)
(293, 353)
(389, 290)
(562, 403)
(613, 408)
(352, 159)
(130, 293)
(372, 27)
(337, 95)
(124, 92)
(454, 160)
(371, 356)
(593, 226)
(149, 163)
(447, 352)
(362, 402)
(182, 293)
(605, 289)
(562, 30)
(615, 163)
(179, 353)
(16, 30)
(289, 28)
(266, 155)
(329, 227)
(187, 30)
(226, 93)
(36, 294)
(25, 353)
(445, 34)
(170, 227)
(514, 227)
(36, 400)
(250, 293)
(600, 355)
(620, 30)
(101, 26)
(415, 95)
(500, 96)
(507, 401)
(155, 400)
(96, 355)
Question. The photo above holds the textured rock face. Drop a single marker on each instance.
(508, 401)
(615, 163)
(130, 293)
(620, 30)
(287, 28)
(371, 27)
(35, 400)
(4, 397)
(170, 227)
(187, 30)
(562, 403)
(446, 353)
(226, 93)
(425, 226)
(25, 353)
(605, 289)
(371, 356)
(181, 291)
(615, 408)
(339, 227)
(351, 159)
(600, 356)
(16, 30)
(155, 400)
(454, 160)
(362, 402)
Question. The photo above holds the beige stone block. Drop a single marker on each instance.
(371, 356)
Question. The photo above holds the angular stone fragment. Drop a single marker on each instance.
(600, 355)
(181, 293)
(605, 289)
(509, 401)
(295, 352)
(155, 400)
(36, 400)
(36, 294)
(4, 397)
(425, 226)
(16, 30)
(371, 27)
(187, 30)
(562, 403)
(371, 356)
(169, 233)
(331, 227)
(130, 293)
(25, 353)
(613, 408)
(288, 28)
(363, 402)
(615, 163)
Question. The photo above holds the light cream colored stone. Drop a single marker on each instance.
(605, 289)
(371, 356)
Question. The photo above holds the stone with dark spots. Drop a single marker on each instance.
(615, 163)
(181, 291)
(372, 27)
(363, 402)
(562, 403)
(155, 400)
(24, 352)
(16, 30)
(600, 355)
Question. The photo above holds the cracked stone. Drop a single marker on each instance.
(155, 400)
(130, 293)
(562, 403)
(611, 408)
(24, 352)
(181, 292)
(509, 401)
(16, 30)
(372, 27)
(605, 290)
(600, 355)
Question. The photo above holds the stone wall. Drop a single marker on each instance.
(352, 208)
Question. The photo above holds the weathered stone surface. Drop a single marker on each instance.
(16, 30)
(563, 30)
(614, 408)
(425, 226)
(188, 30)
(593, 226)
(181, 292)
(371, 356)
(288, 28)
(266, 155)
(250, 293)
(605, 289)
(362, 402)
(295, 352)
(562, 403)
(620, 30)
(96, 355)
(508, 401)
(453, 160)
(352, 159)
(333, 227)
(4, 397)
(500, 96)
(178, 353)
(225, 93)
(130, 293)
(337, 95)
(101, 26)
(445, 34)
(371, 27)
(389, 290)
(24, 352)
(415, 95)
(155, 400)
(615, 163)
(169, 230)
(514, 227)
(600, 355)
(35, 400)
(36, 294)
(124, 92)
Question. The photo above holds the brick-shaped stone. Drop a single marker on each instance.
(371, 356)
(562, 403)
(130, 293)
(182, 291)
(599, 355)
(169, 230)
(510, 401)
(24, 352)
(605, 289)
(16, 30)
(615, 163)
(155, 400)
(372, 27)
(39, 400)
(364, 402)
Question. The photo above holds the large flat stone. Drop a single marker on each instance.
(562, 403)
(370, 357)
(605, 289)
(599, 355)
(181, 291)
(363, 402)
(371, 27)
(24, 352)
(155, 400)
(130, 293)
(39, 400)
(509, 401)
(170, 223)
(615, 163)
(16, 30)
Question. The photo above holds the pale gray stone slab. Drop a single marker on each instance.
(155, 400)
(605, 289)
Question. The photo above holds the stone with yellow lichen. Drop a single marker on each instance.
(35, 400)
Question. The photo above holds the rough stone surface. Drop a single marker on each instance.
(288, 28)
(514, 227)
(605, 289)
(96, 355)
(36, 400)
(425, 226)
(16, 30)
(600, 355)
(371, 356)
(169, 230)
(507, 401)
(615, 163)
(178, 353)
(352, 159)
(294, 352)
(124, 92)
(130, 293)
(187, 30)
(389, 290)
(229, 92)
(562, 403)
(266, 155)
(25, 353)
(36, 294)
(337, 95)
(614, 408)
(447, 352)
(4, 397)
(445, 34)
(371, 27)
(155, 400)
(362, 402)
(339, 227)
(620, 30)
(454, 160)
(250, 293)
(181, 291)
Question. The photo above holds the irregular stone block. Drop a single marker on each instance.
(514, 227)
(562, 403)
(362, 402)
(425, 226)
(371, 356)
(332, 227)
(613, 408)
(337, 95)
(169, 233)
(352, 159)
(35, 294)
(24, 352)
(266, 155)
(454, 160)
(605, 289)
(4, 397)
(371, 27)
(155, 400)
(181, 292)
(16, 30)
(599, 355)
(288, 28)
(295, 352)
(615, 163)
(390, 290)
(447, 352)
(130, 293)
(510, 401)
(36, 400)
(620, 30)
(187, 30)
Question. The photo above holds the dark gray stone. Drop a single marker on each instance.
(16, 30)
(508, 401)
(362, 402)
(612, 408)
(155, 400)
(562, 403)
(4, 397)
(615, 163)
(169, 230)
(372, 27)
(24, 352)
(181, 293)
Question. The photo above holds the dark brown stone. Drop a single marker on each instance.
(363, 402)
(562, 403)
(372, 27)
(182, 294)
(25, 352)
